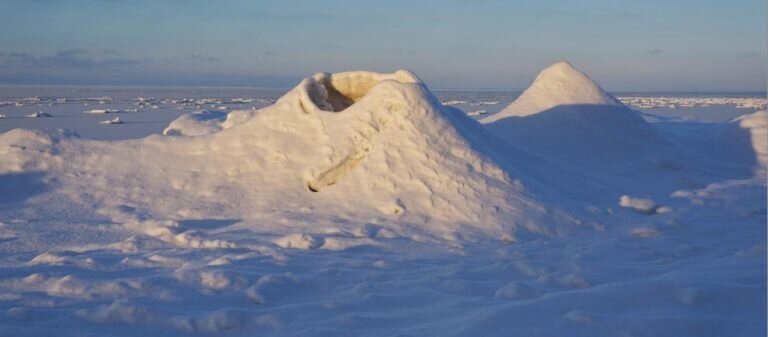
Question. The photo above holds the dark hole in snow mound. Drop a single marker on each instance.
(337, 92)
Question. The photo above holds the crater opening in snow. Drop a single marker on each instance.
(337, 92)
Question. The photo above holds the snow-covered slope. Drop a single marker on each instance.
(362, 146)
(752, 131)
(196, 123)
(566, 116)
(359, 205)
(740, 142)
(557, 85)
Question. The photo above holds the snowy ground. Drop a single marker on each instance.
(582, 222)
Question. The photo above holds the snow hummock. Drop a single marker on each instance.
(205, 122)
(101, 111)
(115, 120)
(558, 84)
(566, 116)
(196, 123)
(38, 114)
(364, 146)
(753, 130)
(641, 205)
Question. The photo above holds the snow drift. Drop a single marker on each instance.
(742, 141)
(557, 85)
(352, 204)
(565, 115)
(755, 125)
(205, 122)
(361, 146)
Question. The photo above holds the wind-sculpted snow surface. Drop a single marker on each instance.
(359, 145)
(358, 204)
(567, 117)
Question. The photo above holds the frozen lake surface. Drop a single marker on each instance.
(148, 110)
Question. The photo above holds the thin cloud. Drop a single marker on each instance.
(201, 58)
(655, 51)
(70, 59)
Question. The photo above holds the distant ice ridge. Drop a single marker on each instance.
(653, 102)
(140, 102)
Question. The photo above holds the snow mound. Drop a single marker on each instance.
(298, 241)
(752, 131)
(112, 121)
(359, 146)
(101, 111)
(38, 114)
(565, 115)
(640, 205)
(205, 122)
(558, 84)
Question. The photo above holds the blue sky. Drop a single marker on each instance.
(650, 45)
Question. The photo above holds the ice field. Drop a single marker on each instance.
(362, 203)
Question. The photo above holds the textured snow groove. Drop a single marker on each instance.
(336, 173)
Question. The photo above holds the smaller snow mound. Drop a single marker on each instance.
(299, 241)
(558, 84)
(640, 205)
(585, 134)
(224, 321)
(39, 114)
(270, 288)
(112, 121)
(120, 311)
(741, 142)
(196, 123)
(518, 291)
(101, 111)
(565, 115)
(755, 126)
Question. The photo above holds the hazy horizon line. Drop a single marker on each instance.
(478, 89)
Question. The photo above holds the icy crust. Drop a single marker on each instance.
(557, 85)
(360, 146)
